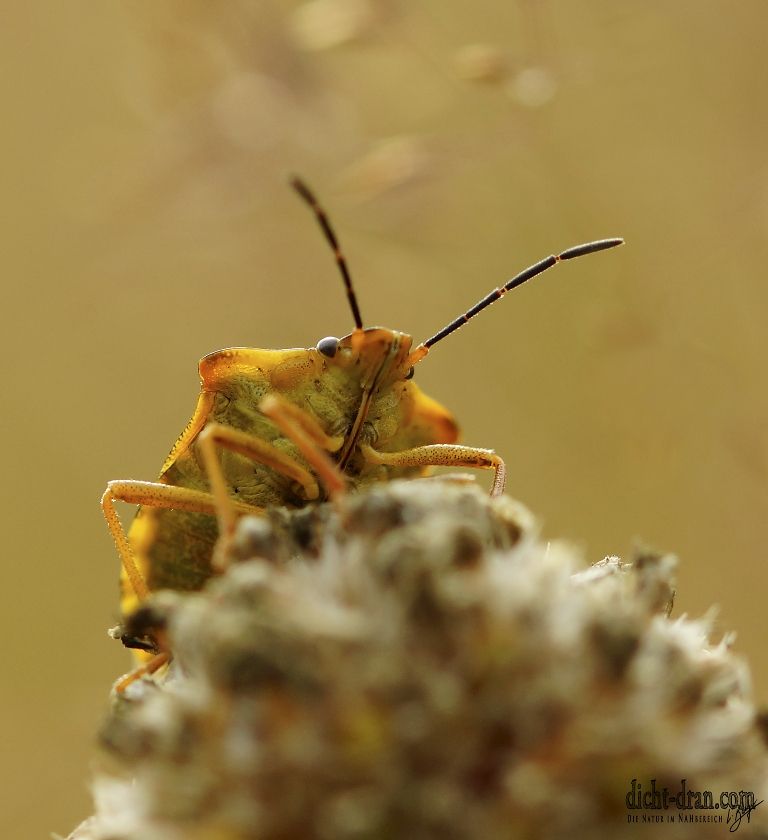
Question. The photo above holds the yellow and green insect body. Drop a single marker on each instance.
(289, 427)
(359, 396)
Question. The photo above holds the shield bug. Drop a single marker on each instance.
(289, 427)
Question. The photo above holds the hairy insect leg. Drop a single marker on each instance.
(275, 406)
(443, 455)
(154, 664)
(313, 443)
(152, 494)
(216, 435)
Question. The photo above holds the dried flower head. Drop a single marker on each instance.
(417, 665)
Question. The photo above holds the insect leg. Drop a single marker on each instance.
(274, 406)
(262, 452)
(152, 494)
(313, 443)
(154, 664)
(443, 455)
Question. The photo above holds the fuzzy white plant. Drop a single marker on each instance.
(420, 665)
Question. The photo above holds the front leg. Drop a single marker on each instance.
(443, 455)
(154, 494)
(300, 428)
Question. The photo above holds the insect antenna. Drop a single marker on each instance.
(303, 190)
(517, 280)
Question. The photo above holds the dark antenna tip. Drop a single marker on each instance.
(301, 188)
(304, 191)
(591, 248)
(518, 280)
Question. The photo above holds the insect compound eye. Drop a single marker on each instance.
(410, 373)
(328, 346)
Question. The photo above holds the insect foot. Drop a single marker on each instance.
(420, 664)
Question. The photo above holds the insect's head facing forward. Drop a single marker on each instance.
(382, 355)
(376, 356)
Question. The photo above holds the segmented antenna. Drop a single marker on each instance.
(517, 280)
(303, 190)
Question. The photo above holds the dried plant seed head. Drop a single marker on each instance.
(422, 656)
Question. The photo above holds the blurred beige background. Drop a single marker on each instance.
(147, 222)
